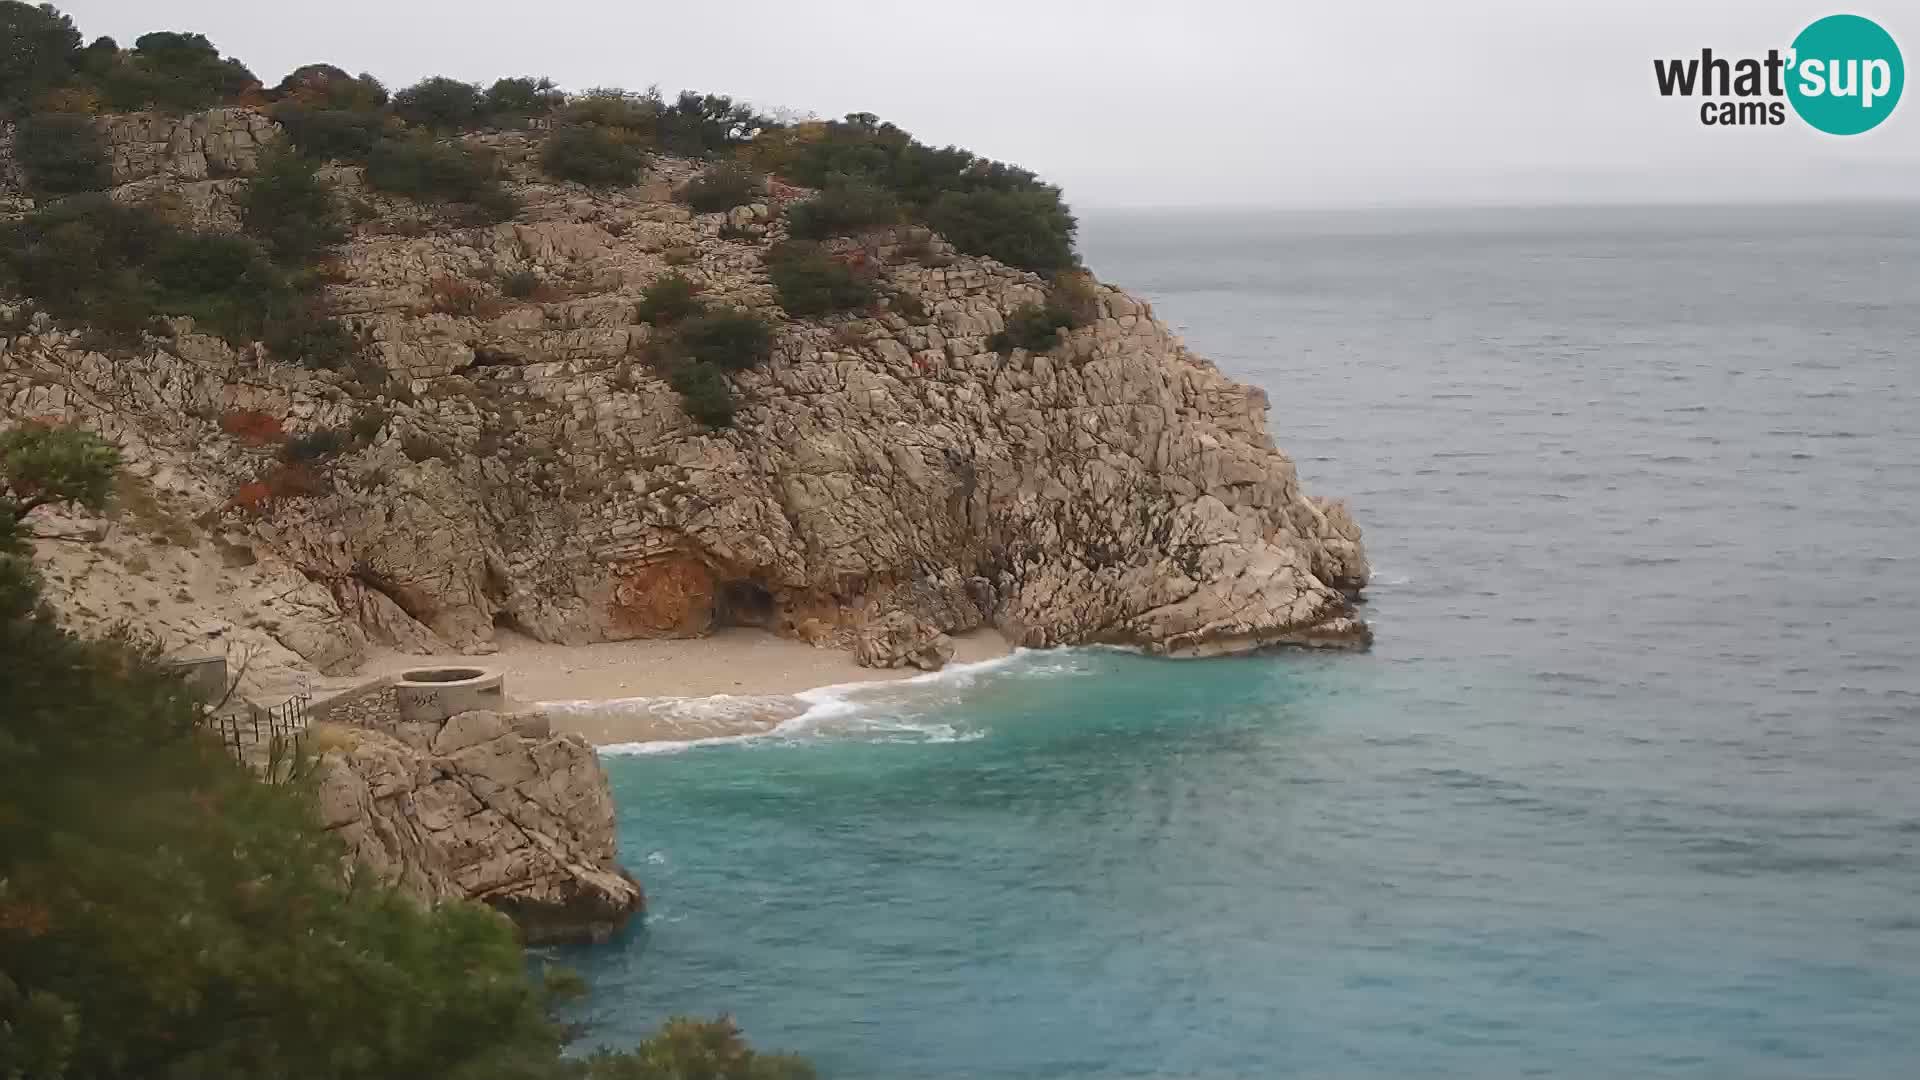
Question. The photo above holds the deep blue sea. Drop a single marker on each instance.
(1629, 786)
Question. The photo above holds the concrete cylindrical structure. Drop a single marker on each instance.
(431, 695)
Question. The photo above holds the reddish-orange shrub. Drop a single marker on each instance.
(253, 427)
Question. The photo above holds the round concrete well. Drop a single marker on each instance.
(430, 695)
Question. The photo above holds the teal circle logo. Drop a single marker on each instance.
(1847, 75)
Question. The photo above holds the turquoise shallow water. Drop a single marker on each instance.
(1630, 785)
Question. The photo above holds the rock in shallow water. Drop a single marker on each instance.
(481, 807)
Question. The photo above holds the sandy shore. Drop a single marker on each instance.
(762, 671)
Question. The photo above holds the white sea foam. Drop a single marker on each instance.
(876, 710)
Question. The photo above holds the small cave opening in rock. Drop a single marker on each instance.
(504, 620)
(745, 603)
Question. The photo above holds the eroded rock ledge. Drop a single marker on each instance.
(889, 478)
(481, 806)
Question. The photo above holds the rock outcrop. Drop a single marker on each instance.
(481, 806)
(900, 638)
(520, 464)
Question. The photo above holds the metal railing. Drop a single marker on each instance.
(251, 726)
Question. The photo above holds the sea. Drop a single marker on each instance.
(1629, 785)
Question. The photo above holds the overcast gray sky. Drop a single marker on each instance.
(1138, 103)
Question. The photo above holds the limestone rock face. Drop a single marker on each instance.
(900, 638)
(483, 807)
(520, 464)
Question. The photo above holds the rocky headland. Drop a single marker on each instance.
(890, 479)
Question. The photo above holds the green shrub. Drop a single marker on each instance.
(843, 209)
(669, 299)
(1020, 220)
(89, 261)
(1029, 229)
(366, 424)
(171, 71)
(701, 125)
(327, 134)
(595, 156)
(811, 283)
(288, 209)
(63, 154)
(612, 107)
(705, 393)
(325, 86)
(304, 335)
(524, 96)
(521, 284)
(313, 446)
(1034, 327)
(723, 187)
(438, 172)
(732, 340)
(697, 1050)
(439, 104)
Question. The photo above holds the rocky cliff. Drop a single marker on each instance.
(480, 806)
(888, 478)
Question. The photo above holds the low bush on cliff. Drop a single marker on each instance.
(329, 133)
(439, 172)
(669, 299)
(171, 71)
(842, 210)
(314, 446)
(730, 340)
(290, 211)
(1072, 302)
(63, 154)
(439, 104)
(722, 187)
(88, 260)
(811, 283)
(594, 156)
(985, 207)
(302, 332)
(521, 97)
(705, 393)
(1034, 327)
(1030, 229)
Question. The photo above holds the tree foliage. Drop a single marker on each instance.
(705, 393)
(845, 207)
(1037, 232)
(167, 915)
(42, 464)
(722, 187)
(63, 154)
(90, 261)
(39, 48)
(809, 282)
(523, 96)
(173, 71)
(667, 300)
(438, 172)
(592, 155)
(439, 104)
(290, 210)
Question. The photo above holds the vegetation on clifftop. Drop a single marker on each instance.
(983, 207)
(165, 914)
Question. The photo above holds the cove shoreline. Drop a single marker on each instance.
(746, 681)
